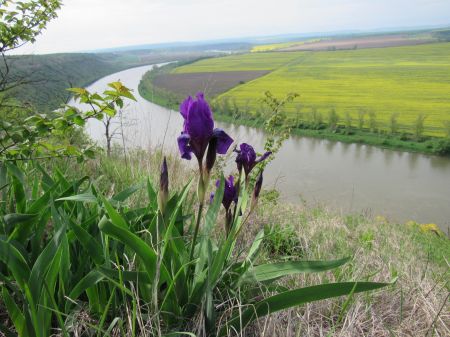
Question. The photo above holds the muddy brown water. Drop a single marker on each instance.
(351, 178)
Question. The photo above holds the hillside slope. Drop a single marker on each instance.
(45, 78)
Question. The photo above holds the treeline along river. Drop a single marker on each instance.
(350, 177)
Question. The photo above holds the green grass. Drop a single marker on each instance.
(407, 81)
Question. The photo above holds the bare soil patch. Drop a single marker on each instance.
(212, 83)
(358, 43)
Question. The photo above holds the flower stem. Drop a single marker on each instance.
(197, 225)
(238, 189)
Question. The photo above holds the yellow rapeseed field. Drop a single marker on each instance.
(407, 81)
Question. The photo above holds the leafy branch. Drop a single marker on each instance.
(35, 136)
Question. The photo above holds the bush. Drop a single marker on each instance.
(282, 241)
(442, 147)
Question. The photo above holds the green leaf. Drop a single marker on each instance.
(45, 259)
(16, 172)
(90, 280)
(129, 276)
(42, 202)
(126, 193)
(89, 243)
(267, 272)
(78, 120)
(22, 224)
(15, 262)
(14, 219)
(19, 195)
(115, 217)
(293, 298)
(78, 91)
(17, 317)
(255, 246)
(85, 197)
(210, 222)
(144, 251)
(152, 196)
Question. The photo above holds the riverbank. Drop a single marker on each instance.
(346, 134)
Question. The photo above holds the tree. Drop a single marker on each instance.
(447, 128)
(393, 123)
(361, 116)
(333, 119)
(33, 134)
(373, 124)
(348, 120)
(20, 23)
(419, 126)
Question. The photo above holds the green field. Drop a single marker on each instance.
(276, 46)
(407, 81)
(243, 62)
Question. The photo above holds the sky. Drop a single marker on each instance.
(98, 24)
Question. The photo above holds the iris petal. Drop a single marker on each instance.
(199, 125)
(263, 157)
(184, 145)
(198, 130)
(229, 193)
(223, 141)
(185, 107)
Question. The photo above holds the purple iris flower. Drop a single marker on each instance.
(246, 158)
(230, 193)
(198, 130)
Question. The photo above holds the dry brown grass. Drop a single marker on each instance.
(417, 305)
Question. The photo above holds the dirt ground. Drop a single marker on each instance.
(212, 83)
(358, 43)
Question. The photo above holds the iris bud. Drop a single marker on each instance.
(256, 191)
(211, 154)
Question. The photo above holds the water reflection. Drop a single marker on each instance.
(368, 151)
(413, 159)
(388, 157)
(439, 163)
(329, 146)
(345, 148)
(350, 177)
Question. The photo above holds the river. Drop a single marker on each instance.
(351, 178)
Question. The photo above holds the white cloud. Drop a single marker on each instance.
(93, 24)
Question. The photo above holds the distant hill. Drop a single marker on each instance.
(236, 45)
(46, 77)
(245, 43)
